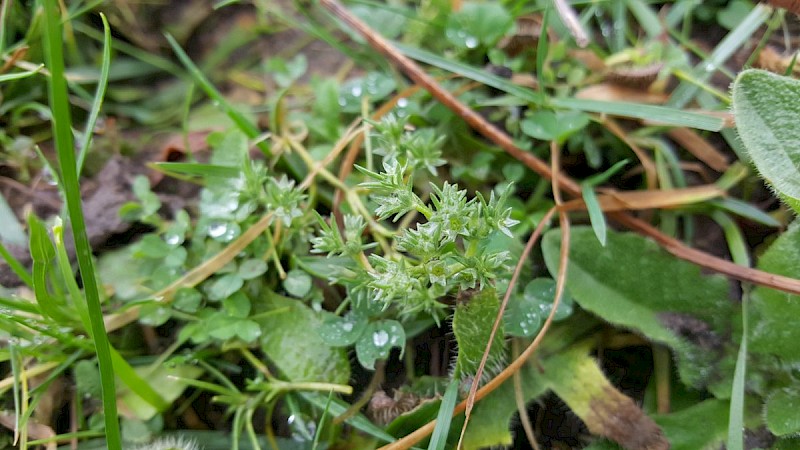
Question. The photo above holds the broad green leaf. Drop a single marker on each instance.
(378, 340)
(491, 418)
(472, 324)
(164, 380)
(634, 284)
(772, 329)
(767, 113)
(289, 340)
(783, 411)
(526, 313)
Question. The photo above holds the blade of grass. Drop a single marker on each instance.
(738, 249)
(62, 132)
(746, 210)
(662, 114)
(325, 413)
(242, 122)
(196, 169)
(20, 75)
(686, 92)
(596, 217)
(445, 416)
(648, 20)
(338, 407)
(99, 95)
(3, 16)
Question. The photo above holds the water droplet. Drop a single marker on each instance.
(172, 238)
(347, 326)
(471, 41)
(710, 67)
(342, 101)
(302, 427)
(48, 177)
(380, 338)
(356, 91)
(217, 229)
(402, 102)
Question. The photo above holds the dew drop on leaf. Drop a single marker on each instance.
(217, 229)
(380, 338)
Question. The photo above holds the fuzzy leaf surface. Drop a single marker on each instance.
(632, 283)
(767, 113)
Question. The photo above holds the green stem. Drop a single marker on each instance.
(62, 132)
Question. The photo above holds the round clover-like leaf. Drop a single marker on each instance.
(252, 268)
(554, 126)
(378, 340)
(224, 286)
(297, 283)
(237, 305)
(342, 331)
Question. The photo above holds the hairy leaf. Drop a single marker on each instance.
(767, 112)
(632, 283)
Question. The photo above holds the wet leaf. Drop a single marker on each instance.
(342, 331)
(478, 23)
(378, 340)
(374, 85)
(526, 313)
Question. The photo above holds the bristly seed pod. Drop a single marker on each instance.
(635, 77)
(383, 409)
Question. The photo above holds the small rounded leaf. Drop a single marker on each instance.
(342, 331)
(225, 286)
(252, 268)
(378, 340)
(297, 283)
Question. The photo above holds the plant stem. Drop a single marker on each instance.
(62, 132)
